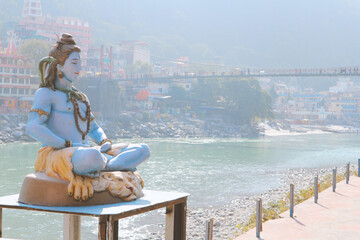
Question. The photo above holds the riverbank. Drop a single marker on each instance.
(278, 129)
(12, 128)
(133, 126)
(229, 216)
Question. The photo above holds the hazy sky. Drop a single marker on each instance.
(262, 33)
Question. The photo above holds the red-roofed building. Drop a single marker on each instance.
(11, 49)
(16, 86)
(143, 95)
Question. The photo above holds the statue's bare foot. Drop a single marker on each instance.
(81, 188)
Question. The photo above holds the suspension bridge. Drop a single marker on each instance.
(255, 73)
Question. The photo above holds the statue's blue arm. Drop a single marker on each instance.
(36, 126)
(98, 134)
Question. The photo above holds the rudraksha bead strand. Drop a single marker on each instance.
(77, 114)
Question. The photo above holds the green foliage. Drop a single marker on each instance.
(273, 93)
(177, 92)
(179, 97)
(34, 50)
(146, 116)
(245, 100)
(206, 92)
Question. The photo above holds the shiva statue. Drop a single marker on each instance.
(61, 119)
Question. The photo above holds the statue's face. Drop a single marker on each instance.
(72, 66)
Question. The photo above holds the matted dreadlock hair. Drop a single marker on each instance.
(60, 51)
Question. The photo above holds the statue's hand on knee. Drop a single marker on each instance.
(105, 147)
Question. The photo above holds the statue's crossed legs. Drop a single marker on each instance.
(83, 168)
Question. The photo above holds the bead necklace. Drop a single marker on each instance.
(73, 94)
(77, 115)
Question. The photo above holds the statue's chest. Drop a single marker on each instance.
(61, 104)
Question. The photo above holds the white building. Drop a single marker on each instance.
(344, 85)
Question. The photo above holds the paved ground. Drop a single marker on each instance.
(336, 216)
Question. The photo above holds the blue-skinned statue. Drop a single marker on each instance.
(61, 119)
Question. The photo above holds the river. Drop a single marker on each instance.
(213, 171)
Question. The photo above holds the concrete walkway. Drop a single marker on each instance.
(336, 216)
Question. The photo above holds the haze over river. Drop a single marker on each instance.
(213, 171)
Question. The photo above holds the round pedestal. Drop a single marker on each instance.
(40, 189)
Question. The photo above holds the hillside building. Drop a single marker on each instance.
(33, 25)
(339, 105)
(131, 52)
(343, 106)
(344, 85)
(100, 63)
(113, 61)
(17, 87)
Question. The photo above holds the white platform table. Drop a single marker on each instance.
(108, 215)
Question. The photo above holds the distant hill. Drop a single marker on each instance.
(10, 10)
(260, 33)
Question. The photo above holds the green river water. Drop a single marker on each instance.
(213, 171)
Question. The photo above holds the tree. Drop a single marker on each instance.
(34, 50)
(205, 92)
(245, 101)
(178, 96)
(177, 93)
(273, 93)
